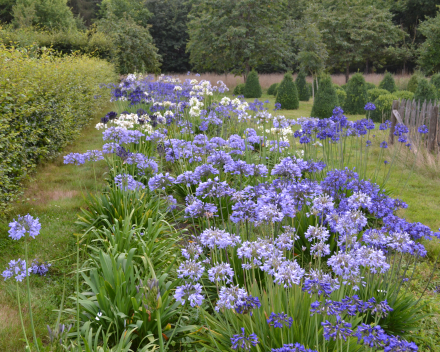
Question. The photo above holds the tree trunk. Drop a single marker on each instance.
(246, 72)
(347, 72)
(313, 87)
(367, 66)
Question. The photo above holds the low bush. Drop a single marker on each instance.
(388, 83)
(287, 94)
(404, 94)
(326, 99)
(373, 94)
(301, 86)
(383, 107)
(44, 103)
(238, 90)
(272, 89)
(252, 88)
(425, 91)
(356, 95)
(370, 85)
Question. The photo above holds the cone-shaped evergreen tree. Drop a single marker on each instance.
(413, 82)
(252, 88)
(326, 98)
(287, 94)
(301, 86)
(425, 91)
(388, 83)
(356, 95)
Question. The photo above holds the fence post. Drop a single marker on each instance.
(432, 134)
(393, 121)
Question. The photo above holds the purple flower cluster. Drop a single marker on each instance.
(24, 224)
(243, 342)
(127, 182)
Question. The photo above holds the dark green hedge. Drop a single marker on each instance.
(44, 103)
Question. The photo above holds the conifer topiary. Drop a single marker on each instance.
(301, 86)
(326, 98)
(370, 85)
(272, 89)
(287, 94)
(356, 95)
(252, 88)
(404, 94)
(413, 82)
(373, 94)
(425, 91)
(388, 83)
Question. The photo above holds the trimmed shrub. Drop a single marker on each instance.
(238, 90)
(425, 91)
(356, 95)
(287, 94)
(342, 95)
(325, 99)
(373, 94)
(49, 100)
(344, 86)
(404, 94)
(370, 85)
(272, 89)
(413, 83)
(252, 88)
(388, 83)
(383, 104)
(301, 86)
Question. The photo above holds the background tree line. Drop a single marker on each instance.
(235, 35)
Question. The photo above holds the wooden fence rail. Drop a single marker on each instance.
(413, 115)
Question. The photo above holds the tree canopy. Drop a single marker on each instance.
(237, 35)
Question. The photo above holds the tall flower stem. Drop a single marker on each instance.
(159, 330)
(21, 316)
(29, 295)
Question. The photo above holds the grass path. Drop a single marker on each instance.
(54, 195)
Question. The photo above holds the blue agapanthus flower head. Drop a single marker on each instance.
(370, 107)
(243, 342)
(423, 129)
(16, 268)
(24, 224)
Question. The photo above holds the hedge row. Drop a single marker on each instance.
(44, 103)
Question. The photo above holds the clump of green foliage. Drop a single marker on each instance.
(287, 94)
(388, 83)
(272, 89)
(435, 81)
(373, 94)
(252, 88)
(49, 103)
(342, 95)
(404, 94)
(356, 95)
(425, 91)
(383, 104)
(239, 89)
(301, 86)
(326, 98)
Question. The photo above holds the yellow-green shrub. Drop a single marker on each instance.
(45, 100)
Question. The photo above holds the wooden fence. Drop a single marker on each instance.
(413, 115)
